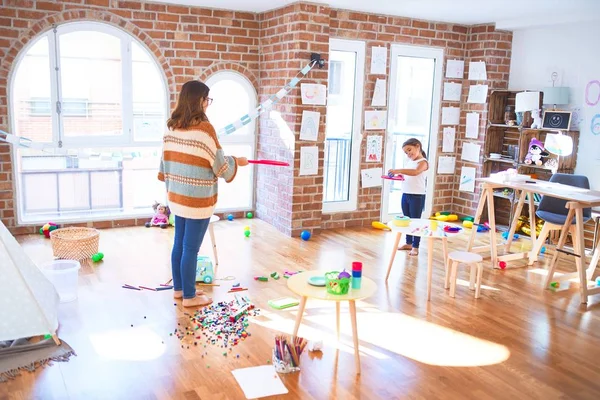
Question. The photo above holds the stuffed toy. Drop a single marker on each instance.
(161, 216)
(535, 153)
(537, 119)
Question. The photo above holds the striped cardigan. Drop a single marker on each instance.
(191, 163)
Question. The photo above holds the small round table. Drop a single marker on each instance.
(422, 227)
(299, 285)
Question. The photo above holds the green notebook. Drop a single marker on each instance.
(283, 302)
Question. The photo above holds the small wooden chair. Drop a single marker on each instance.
(464, 257)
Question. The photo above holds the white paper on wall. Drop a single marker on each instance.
(371, 177)
(374, 147)
(378, 60)
(309, 160)
(477, 71)
(477, 94)
(467, 179)
(446, 165)
(375, 120)
(455, 69)
(309, 129)
(470, 152)
(472, 131)
(450, 115)
(313, 94)
(448, 139)
(452, 91)
(379, 94)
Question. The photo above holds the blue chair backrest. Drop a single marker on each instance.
(557, 206)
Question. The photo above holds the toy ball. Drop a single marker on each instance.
(554, 284)
(598, 281)
(543, 250)
(246, 228)
(98, 257)
(247, 233)
(47, 228)
(502, 264)
(230, 217)
(305, 235)
(344, 274)
(249, 215)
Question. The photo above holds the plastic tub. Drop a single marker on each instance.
(64, 275)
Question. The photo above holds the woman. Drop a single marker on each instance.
(192, 161)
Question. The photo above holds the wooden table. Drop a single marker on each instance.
(299, 285)
(422, 228)
(577, 199)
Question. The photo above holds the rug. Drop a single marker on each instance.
(28, 354)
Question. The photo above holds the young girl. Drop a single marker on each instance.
(413, 188)
(192, 161)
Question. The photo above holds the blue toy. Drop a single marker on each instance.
(505, 236)
(204, 270)
(543, 250)
(305, 235)
(230, 217)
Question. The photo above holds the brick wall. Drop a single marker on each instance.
(188, 43)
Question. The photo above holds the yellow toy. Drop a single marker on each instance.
(468, 224)
(441, 217)
(379, 225)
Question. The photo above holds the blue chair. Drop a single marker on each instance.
(553, 211)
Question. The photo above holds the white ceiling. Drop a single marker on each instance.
(507, 14)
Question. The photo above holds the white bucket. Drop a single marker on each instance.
(64, 275)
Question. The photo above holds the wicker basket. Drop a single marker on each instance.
(74, 243)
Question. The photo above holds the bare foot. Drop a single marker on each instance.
(414, 252)
(198, 301)
(405, 247)
(178, 294)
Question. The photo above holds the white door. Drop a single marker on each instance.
(414, 108)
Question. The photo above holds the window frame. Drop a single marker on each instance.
(239, 139)
(358, 47)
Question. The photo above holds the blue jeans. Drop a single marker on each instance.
(412, 206)
(189, 234)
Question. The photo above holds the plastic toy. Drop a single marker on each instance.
(261, 278)
(161, 216)
(230, 217)
(98, 257)
(554, 284)
(543, 249)
(249, 215)
(452, 229)
(505, 236)
(204, 270)
(598, 281)
(247, 233)
(380, 225)
(305, 235)
(502, 264)
(47, 228)
(344, 274)
(468, 224)
(275, 275)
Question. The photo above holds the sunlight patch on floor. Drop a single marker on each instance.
(134, 344)
(461, 282)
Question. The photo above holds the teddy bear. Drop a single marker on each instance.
(536, 152)
(161, 216)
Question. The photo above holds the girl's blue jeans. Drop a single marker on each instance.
(412, 206)
(189, 234)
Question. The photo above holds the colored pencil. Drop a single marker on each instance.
(148, 288)
(130, 287)
(237, 290)
(164, 288)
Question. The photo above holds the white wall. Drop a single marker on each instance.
(574, 52)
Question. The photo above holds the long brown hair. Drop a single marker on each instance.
(189, 111)
(416, 143)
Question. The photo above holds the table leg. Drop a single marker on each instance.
(492, 222)
(478, 213)
(337, 319)
(515, 220)
(429, 266)
(532, 223)
(214, 244)
(299, 316)
(394, 250)
(355, 335)
(561, 242)
(580, 249)
(446, 266)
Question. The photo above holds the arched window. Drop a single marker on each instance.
(233, 97)
(98, 100)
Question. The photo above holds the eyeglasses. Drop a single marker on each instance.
(210, 100)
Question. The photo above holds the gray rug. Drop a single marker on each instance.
(28, 355)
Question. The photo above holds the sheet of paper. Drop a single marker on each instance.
(379, 94)
(313, 94)
(467, 179)
(371, 177)
(378, 60)
(309, 129)
(455, 69)
(472, 125)
(452, 91)
(374, 146)
(448, 139)
(477, 71)
(477, 94)
(309, 160)
(446, 165)
(375, 120)
(259, 382)
(450, 115)
(470, 152)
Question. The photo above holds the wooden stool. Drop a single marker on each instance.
(464, 257)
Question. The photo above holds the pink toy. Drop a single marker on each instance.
(161, 216)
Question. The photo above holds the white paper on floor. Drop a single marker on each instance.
(259, 382)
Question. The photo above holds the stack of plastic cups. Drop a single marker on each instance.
(356, 274)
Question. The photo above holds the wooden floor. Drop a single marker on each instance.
(517, 341)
